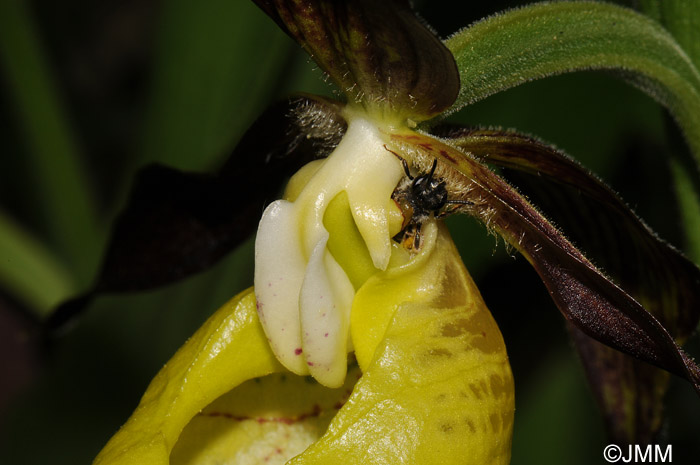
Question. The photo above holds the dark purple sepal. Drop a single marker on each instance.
(378, 52)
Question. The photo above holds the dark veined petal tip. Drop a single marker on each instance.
(602, 225)
(596, 219)
(654, 273)
(379, 53)
(585, 296)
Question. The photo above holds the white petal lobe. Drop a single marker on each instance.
(304, 296)
(279, 274)
(325, 301)
(369, 206)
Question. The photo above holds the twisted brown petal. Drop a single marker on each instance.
(654, 273)
(586, 297)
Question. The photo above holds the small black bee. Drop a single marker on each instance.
(418, 198)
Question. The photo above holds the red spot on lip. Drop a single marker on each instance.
(325, 335)
(310, 363)
(298, 351)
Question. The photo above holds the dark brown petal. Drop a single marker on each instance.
(378, 52)
(176, 224)
(630, 393)
(601, 224)
(598, 221)
(586, 297)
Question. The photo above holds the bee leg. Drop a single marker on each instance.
(451, 207)
(443, 214)
(404, 163)
(446, 212)
(459, 202)
(417, 237)
(400, 235)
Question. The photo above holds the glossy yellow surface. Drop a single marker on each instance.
(266, 420)
(436, 385)
(437, 388)
(304, 295)
(228, 349)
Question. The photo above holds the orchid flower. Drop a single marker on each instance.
(365, 340)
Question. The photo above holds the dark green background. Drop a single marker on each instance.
(178, 82)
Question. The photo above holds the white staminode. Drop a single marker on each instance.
(304, 296)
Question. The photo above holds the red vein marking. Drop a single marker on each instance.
(315, 412)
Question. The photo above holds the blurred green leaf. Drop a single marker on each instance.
(556, 420)
(64, 190)
(216, 62)
(541, 40)
(689, 200)
(30, 270)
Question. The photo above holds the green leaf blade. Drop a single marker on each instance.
(542, 40)
(681, 18)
